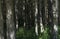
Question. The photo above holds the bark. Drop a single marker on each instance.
(29, 13)
(4, 17)
(58, 18)
(55, 18)
(36, 19)
(43, 12)
(39, 17)
(46, 13)
(59, 13)
(10, 19)
(50, 19)
(1, 22)
(16, 11)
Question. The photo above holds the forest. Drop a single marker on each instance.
(29, 19)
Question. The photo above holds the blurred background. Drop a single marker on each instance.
(29, 19)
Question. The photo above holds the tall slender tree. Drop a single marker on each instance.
(4, 17)
(40, 12)
(36, 17)
(59, 17)
(43, 11)
(1, 21)
(59, 12)
(55, 18)
(50, 18)
(10, 19)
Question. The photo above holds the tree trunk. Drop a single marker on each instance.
(10, 19)
(59, 13)
(50, 18)
(59, 18)
(55, 18)
(1, 22)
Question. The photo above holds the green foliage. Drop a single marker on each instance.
(25, 34)
(44, 35)
(30, 34)
(59, 32)
(20, 34)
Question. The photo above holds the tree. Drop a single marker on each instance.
(1, 21)
(50, 18)
(59, 17)
(55, 18)
(59, 12)
(10, 19)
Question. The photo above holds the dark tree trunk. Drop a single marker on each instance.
(50, 18)
(43, 12)
(4, 18)
(59, 13)
(29, 13)
(1, 21)
(39, 15)
(59, 17)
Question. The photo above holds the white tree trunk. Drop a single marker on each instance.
(36, 12)
(41, 23)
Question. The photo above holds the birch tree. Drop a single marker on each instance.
(36, 12)
(39, 16)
